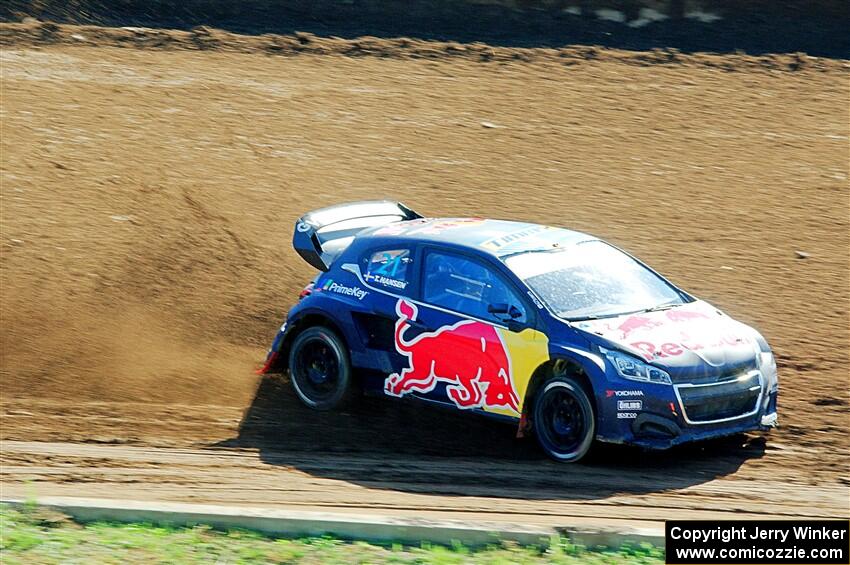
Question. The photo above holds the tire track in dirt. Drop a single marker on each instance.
(538, 493)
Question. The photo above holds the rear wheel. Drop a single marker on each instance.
(563, 419)
(319, 369)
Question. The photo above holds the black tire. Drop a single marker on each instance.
(563, 419)
(319, 369)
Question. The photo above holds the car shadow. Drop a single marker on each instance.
(409, 447)
(789, 26)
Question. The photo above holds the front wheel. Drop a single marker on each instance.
(563, 420)
(319, 369)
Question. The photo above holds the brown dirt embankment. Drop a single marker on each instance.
(719, 26)
(302, 43)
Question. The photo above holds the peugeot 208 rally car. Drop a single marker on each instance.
(566, 335)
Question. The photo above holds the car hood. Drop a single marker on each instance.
(691, 341)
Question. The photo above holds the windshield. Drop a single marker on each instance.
(592, 280)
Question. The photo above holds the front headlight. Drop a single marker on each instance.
(634, 369)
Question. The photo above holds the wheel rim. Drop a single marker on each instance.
(316, 369)
(564, 421)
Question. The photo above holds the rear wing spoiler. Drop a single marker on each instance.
(321, 235)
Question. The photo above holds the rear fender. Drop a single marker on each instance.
(277, 359)
(275, 362)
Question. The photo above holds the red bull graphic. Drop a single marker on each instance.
(470, 356)
(670, 333)
(683, 315)
(427, 226)
(637, 323)
(651, 351)
(435, 227)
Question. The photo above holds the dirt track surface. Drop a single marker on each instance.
(148, 200)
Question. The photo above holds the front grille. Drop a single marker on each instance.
(727, 400)
(711, 375)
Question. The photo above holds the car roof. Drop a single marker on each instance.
(496, 237)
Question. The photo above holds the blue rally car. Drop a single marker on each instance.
(566, 335)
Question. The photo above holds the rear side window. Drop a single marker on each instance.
(390, 269)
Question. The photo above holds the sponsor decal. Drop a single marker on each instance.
(469, 356)
(498, 242)
(385, 281)
(337, 288)
(629, 405)
(610, 393)
(626, 415)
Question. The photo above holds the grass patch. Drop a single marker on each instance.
(34, 535)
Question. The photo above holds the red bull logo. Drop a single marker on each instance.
(637, 323)
(427, 226)
(696, 328)
(469, 355)
(435, 227)
(682, 315)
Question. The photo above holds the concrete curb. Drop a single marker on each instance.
(295, 523)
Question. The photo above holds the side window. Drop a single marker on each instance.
(468, 287)
(390, 269)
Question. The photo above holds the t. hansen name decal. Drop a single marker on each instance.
(386, 281)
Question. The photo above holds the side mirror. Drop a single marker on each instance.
(504, 311)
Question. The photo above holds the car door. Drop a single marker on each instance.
(469, 340)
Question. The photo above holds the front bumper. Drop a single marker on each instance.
(661, 416)
(770, 420)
